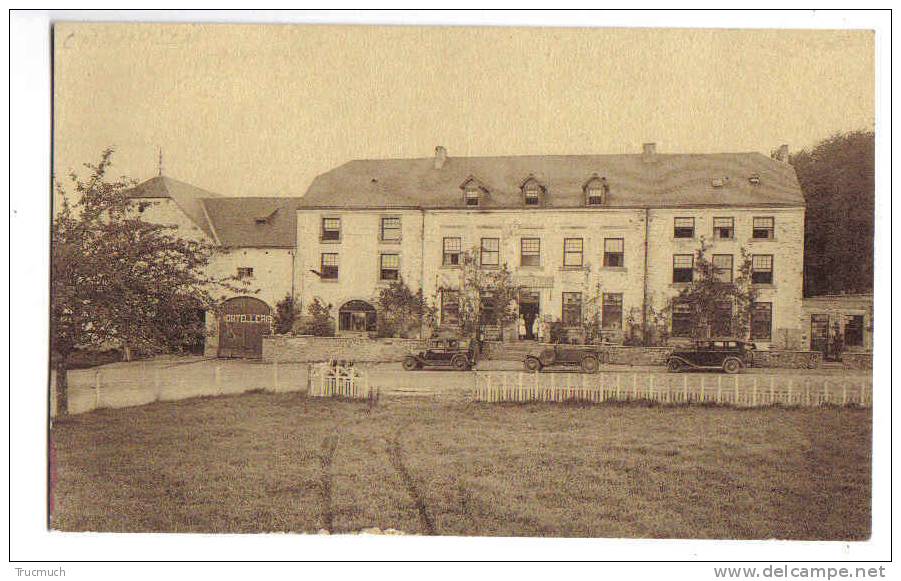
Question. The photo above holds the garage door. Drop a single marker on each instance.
(243, 322)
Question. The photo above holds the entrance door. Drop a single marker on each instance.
(530, 308)
(243, 323)
(819, 333)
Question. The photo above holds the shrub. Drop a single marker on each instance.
(286, 314)
(318, 320)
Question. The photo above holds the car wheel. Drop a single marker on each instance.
(731, 365)
(410, 363)
(674, 365)
(590, 364)
(460, 363)
(532, 364)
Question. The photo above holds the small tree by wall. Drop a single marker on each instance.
(318, 320)
(286, 313)
(488, 296)
(402, 312)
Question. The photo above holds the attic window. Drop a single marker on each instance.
(532, 191)
(596, 190)
(262, 220)
(473, 190)
(472, 197)
(754, 179)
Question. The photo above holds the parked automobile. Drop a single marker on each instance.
(457, 354)
(587, 357)
(726, 354)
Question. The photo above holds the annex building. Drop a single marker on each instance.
(618, 232)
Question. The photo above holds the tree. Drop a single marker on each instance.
(286, 312)
(838, 181)
(708, 296)
(117, 279)
(488, 296)
(319, 321)
(402, 311)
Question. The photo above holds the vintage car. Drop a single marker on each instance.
(586, 357)
(726, 354)
(452, 353)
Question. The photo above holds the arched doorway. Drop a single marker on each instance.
(357, 316)
(243, 322)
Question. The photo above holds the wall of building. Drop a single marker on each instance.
(358, 250)
(309, 349)
(787, 248)
(838, 308)
(550, 279)
(272, 272)
(166, 211)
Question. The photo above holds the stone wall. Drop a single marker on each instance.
(857, 360)
(788, 359)
(637, 355)
(360, 349)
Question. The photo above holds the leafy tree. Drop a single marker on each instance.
(286, 313)
(319, 321)
(487, 295)
(706, 295)
(838, 181)
(116, 279)
(401, 311)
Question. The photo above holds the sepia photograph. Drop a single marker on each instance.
(462, 281)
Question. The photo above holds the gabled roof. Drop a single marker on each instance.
(185, 196)
(668, 180)
(254, 222)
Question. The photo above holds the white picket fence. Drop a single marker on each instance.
(333, 380)
(669, 388)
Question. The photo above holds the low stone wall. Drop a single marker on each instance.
(788, 359)
(857, 359)
(359, 349)
(621, 355)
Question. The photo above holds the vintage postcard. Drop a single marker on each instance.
(471, 281)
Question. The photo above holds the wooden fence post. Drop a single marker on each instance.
(97, 389)
(634, 386)
(719, 389)
(735, 401)
(754, 393)
(790, 384)
(772, 389)
(685, 388)
(275, 375)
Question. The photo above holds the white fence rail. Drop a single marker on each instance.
(333, 380)
(667, 388)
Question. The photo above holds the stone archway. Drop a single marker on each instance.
(357, 316)
(243, 322)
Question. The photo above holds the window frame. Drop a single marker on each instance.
(580, 253)
(446, 295)
(382, 229)
(731, 228)
(718, 270)
(383, 269)
(336, 266)
(685, 317)
(676, 227)
(445, 253)
(611, 308)
(472, 194)
(608, 254)
(244, 272)
(322, 229)
(564, 319)
(754, 321)
(523, 254)
(691, 269)
(755, 270)
(862, 330)
(771, 229)
(496, 252)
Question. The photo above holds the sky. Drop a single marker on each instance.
(260, 110)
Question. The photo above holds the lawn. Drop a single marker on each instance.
(284, 462)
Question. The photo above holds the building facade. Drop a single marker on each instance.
(611, 234)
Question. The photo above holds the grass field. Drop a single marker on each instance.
(264, 462)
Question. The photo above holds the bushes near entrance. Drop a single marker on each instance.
(318, 321)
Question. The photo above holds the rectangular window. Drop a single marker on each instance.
(490, 254)
(245, 272)
(722, 263)
(724, 228)
(472, 197)
(763, 229)
(722, 320)
(683, 268)
(530, 252)
(452, 248)
(329, 268)
(572, 309)
(450, 307)
(683, 320)
(331, 229)
(762, 269)
(612, 311)
(613, 252)
(595, 196)
(572, 253)
(390, 231)
(854, 331)
(533, 197)
(762, 321)
(389, 266)
(683, 227)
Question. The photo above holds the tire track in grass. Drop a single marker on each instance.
(326, 456)
(396, 456)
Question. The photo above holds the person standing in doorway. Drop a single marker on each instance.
(522, 327)
(536, 327)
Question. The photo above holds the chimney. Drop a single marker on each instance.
(440, 156)
(782, 153)
(648, 152)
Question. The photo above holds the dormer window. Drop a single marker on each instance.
(473, 190)
(596, 190)
(532, 191)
